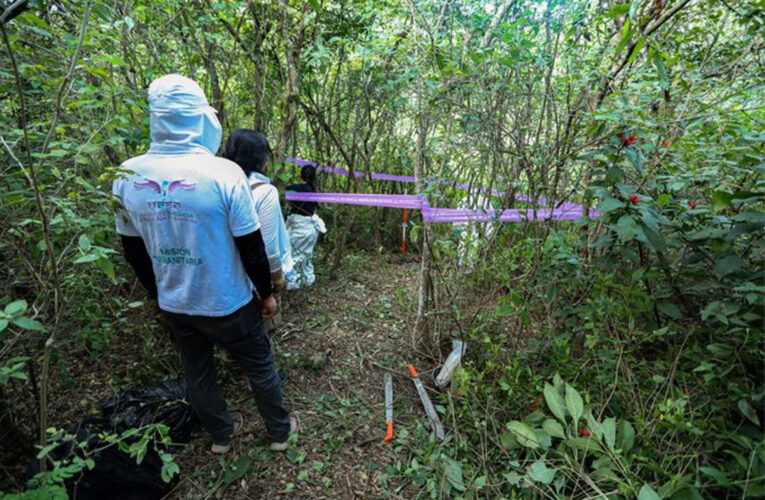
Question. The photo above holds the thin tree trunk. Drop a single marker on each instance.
(421, 327)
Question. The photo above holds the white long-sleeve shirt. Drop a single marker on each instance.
(272, 226)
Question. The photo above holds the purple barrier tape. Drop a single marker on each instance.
(443, 215)
(509, 215)
(564, 207)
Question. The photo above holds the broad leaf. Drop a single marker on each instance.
(748, 411)
(609, 433)
(574, 404)
(716, 475)
(525, 434)
(648, 493)
(554, 428)
(16, 307)
(627, 436)
(28, 324)
(728, 265)
(540, 473)
(555, 402)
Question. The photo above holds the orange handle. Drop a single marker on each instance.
(389, 432)
(412, 371)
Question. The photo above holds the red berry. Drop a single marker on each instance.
(628, 141)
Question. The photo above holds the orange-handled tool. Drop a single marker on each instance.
(388, 408)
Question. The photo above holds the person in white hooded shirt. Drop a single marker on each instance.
(251, 151)
(190, 231)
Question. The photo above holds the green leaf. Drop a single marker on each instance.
(524, 434)
(636, 51)
(453, 472)
(555, 402)
(748, 411)
(609, 432)
(658, 61)
(716, 475)
(16, 307)
(574, 404)
(618, 10)
(610, 204)
(554, 428)
(3, 324)
(238, 470)
(513, 478)
(721, 200)
(687, 494)
(479, 482)
(654, 239)
(626, 35)
(107, 267)
(28, 324)
(626, 228)
(648, 493)
(633, 155)
(315, 4)
(728, 265)
(84, 243)
(86, 258)
(670, 310)
(540, 473)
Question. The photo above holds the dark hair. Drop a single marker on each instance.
(308, 174)
(248, 149)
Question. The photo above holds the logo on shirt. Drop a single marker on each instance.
(165, 209)
(166, 187)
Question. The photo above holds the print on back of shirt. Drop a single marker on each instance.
(166, 209)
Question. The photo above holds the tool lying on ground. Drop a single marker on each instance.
(429, 409)
(453, 361)
(388, 408)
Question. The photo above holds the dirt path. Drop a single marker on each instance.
(333, 334)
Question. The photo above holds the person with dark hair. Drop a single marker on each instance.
(303, 226)
(250, 150)
(190, 232)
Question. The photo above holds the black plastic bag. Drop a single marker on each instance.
(116, 475)
(164, 403)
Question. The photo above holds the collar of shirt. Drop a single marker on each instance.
(257, 176)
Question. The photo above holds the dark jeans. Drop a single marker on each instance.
(243, 335)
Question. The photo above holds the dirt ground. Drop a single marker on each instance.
(334, 344)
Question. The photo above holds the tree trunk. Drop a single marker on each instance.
(421, 327)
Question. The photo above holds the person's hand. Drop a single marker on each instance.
(268, 307)
(159, 317)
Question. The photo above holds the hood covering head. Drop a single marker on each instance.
(181, 120)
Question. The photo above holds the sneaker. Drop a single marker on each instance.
(294, 427)
(225, 447)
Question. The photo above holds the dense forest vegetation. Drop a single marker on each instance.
(619, 356)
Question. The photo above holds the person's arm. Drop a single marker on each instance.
(270, 214)
(244, 224)
(252, 251)
(136, 255)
